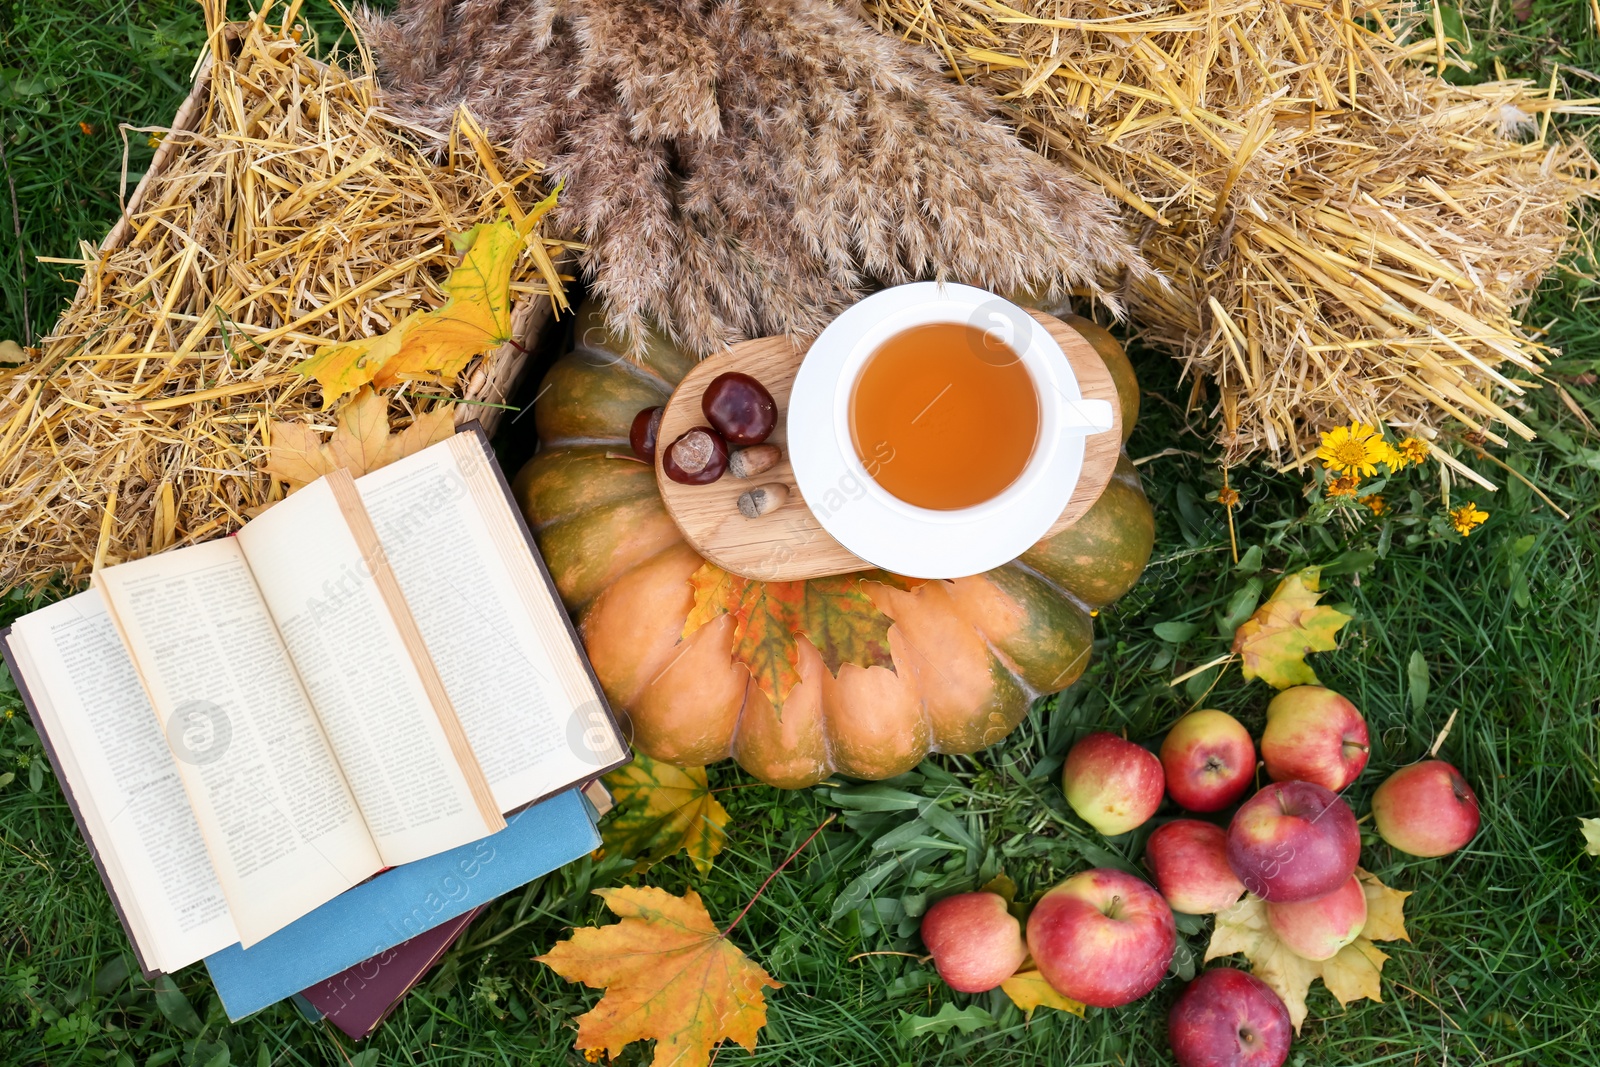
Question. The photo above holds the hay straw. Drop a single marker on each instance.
(282, 213)
(1348, 235)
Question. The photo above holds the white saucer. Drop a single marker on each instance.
(880, 527)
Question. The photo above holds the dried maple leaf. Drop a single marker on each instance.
(1029, 991)
(1353, 973)
(361, 441)
(1273, 642)
(834, 614)
(662, 810)
(668, 973)
(437, 345)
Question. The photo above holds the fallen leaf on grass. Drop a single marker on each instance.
(662, 809)
(438, 344)
(1591, 836)
(361, 441)
(668, 973)
(1353, 973)
(1029, 991)
(949, 1018)
(1272, 643)
(834, 614)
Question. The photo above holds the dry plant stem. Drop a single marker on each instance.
(1438, 742)
(887, 952)
(779, 870)
(1347, 235)
(1186, 675)
(284, 216)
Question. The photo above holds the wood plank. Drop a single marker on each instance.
(790, 544)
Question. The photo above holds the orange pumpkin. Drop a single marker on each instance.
(968, 656)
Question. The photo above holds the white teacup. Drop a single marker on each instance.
(877, 525)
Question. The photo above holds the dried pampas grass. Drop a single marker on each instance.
(280, 215)
(1348, 235)
(749, 168)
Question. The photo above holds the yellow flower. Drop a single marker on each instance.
(1227, 496)
(1354, 449)
(1413, 450)
(594, 1055)
(1376, 503)
(1467, 518)
(1344, 485)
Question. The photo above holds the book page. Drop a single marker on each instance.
(386, 729)
(278, 820)
(500, 638)
(119, 770)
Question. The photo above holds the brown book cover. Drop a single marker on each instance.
(358, 998)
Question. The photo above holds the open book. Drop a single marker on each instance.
(371, 672)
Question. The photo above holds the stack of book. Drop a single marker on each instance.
(353, 723)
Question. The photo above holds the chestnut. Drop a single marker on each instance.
(740, 408)
(642, 434)
(697, 458)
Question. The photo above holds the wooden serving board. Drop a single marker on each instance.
(790, 544)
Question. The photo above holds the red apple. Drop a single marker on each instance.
(1189, 860)
(1102, 937)
(1113, 785)
(1226, 1018)
(1318, 929)
(976, 943)
(1314, 735)
(1209, 760)
(1426, 809)
(1293, 841)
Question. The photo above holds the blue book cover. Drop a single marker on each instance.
(401, 903)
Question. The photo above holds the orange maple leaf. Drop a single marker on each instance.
(668, 973)
(1272, 643)
(437, 345)
(361, 441)
(834, 614)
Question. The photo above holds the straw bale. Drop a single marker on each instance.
(282, 213)
(1348, 235)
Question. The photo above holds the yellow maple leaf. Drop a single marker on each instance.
(438, 344)
(1029, 991)
(1353, 973)
(662, 809)
(668, 973)
(1591, 836)
(1386, 920)
(361, 441)
(1272, 643)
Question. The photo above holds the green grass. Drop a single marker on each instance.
(1500, 969)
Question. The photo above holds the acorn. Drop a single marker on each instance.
(749, 462)
(763, 500)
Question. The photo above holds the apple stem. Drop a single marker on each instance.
(779, 870)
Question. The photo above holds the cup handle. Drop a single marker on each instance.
(1086, 416)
